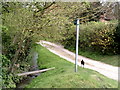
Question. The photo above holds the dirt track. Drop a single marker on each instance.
(105, 69)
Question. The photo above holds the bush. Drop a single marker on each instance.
(7, 79)
(18, 35)
(96, 36)
(117, 37)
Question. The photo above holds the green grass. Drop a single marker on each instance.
(108, 59)
(63, 76)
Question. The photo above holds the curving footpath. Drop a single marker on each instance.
(105, 69)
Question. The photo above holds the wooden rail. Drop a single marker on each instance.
(33, 72)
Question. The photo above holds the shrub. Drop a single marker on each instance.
(7, 79)
(96, 36)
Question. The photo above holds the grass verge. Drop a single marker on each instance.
(108, 59)
(63, 76)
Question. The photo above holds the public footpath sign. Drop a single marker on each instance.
(76, 22)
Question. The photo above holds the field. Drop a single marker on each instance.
(63, 76)
(108, 59)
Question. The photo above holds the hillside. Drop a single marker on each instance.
(64, 76)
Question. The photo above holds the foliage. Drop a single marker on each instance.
(26, 23)
(117, 37)
(17, 36)
(7, 79)
(99, 37)
(56, 21)
(20, 30)
(96, 36)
